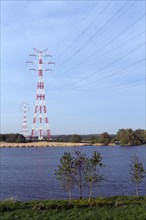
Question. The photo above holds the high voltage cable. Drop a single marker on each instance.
(88, 76)
(121, 45)
(120, 86)
(90, 11)
(109, 42)
(115, 72)
(91, 74)
(88, 26)
(109, 75)
(106, 88)
(129, 40)
(115, 38)
(111, 87)
(102, 29)
(73, 29)
(83, 46)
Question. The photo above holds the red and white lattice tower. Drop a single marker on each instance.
(40, 127)
(25, 108)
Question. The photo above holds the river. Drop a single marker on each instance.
(28, 173)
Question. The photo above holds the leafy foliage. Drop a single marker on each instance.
(76, 138)
(130, 137)
(12, 138)
(104, 138)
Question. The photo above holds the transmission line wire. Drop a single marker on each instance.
(88, 26)
(121, 45)
(123, 86)
(75, 28)
(115, 38)
(119, 86)
(102, 29)
(116, 72)
(101, 69)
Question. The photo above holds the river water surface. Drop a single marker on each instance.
(28, 173)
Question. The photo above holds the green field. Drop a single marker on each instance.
(113, 208)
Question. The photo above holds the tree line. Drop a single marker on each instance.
(12, 138)
(79, 171)
(122, 137)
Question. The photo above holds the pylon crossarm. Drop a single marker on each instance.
(51, 62)
(29, 62)
(48, 70)
(32, 55)
(32, 69)
(48, 55)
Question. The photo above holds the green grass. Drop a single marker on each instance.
(113, 208)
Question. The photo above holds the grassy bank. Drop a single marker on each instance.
(113, 208)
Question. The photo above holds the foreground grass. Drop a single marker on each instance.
(114, 208)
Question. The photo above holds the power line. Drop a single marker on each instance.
(115, 38)
(123, 86)
(115, 72)
(101, 69)
(90, 11)
(76, 27)
(88, 26)
(132, 66)
(121, 45)
(119, 86)
(102, 29)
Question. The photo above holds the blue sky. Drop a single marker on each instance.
(98, 81)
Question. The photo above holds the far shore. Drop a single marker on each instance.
(47, 144)
(41, 144)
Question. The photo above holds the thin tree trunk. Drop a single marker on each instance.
(69, 195)
(90, 192)
(80, 190)
(136, 189)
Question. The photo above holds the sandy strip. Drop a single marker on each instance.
(41, 144)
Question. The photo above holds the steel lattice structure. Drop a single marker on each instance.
(40, 127)
(25, 108)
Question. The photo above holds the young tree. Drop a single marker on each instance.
(65, 172)
(80, 166)
(93, 175)
(137, 171)
(80, 171)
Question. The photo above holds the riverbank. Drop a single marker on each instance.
(119, 207)
(51, 144)
(42, 144)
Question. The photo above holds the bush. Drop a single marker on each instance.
(76, 138)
